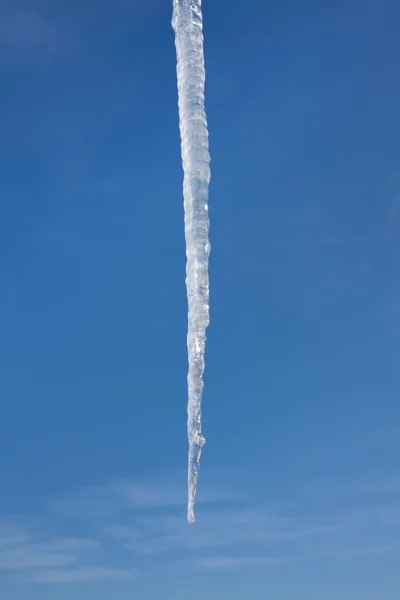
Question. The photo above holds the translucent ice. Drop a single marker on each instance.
(188, 26)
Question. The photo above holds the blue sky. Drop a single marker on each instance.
(300, 484)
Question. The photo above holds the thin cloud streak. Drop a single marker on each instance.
(143, 523)
(233, 562)
(81, 575)
(21, 550)
(127, 495)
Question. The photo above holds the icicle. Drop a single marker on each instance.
(188, 26)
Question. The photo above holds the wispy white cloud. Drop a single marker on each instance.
(127, 495)
(356, 491)
(32, 557)
(225, 528)
(324, 521)
(80, 575)
(22, 549)
(142, 523)
(229, 562)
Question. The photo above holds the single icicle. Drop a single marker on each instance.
(188, 26)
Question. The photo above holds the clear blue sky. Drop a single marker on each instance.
(300, 484)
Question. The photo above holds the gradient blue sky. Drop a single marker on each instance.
(300, 482)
